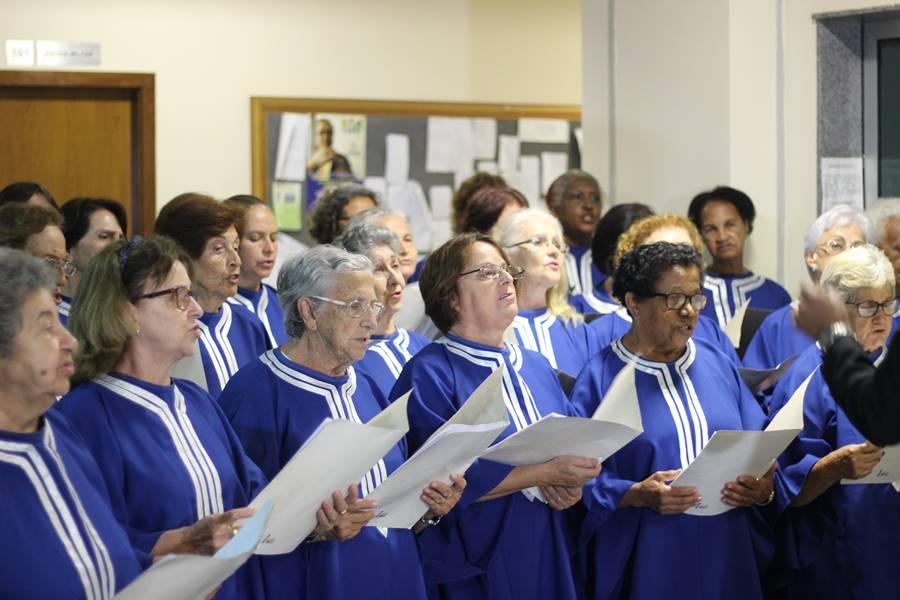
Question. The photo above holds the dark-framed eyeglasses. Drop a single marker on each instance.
(357, 308)
(677, 300)
(66, 265)
(493, 272)
(542, 241)
(869, 308)
(180, 294)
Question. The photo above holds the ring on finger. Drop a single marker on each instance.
(234, 530)
(342, 512)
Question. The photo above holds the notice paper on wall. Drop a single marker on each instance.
(287, 198)
(450, 145)
(544, 131)
(484, 132)
(508, 161)
(441, 197)
(396, 167)
(553, 164)
(842, 182)
(293, 146)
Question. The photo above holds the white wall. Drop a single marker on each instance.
(211, 56)
(722, 55)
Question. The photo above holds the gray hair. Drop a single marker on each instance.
(859, 268)
(841, 214)
(885, 210)
(508, 230)
(360, 239)
(21, 275)
(312, 274)
(372, 215)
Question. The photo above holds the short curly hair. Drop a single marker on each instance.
(639, 231)
(641, 269)
(738, 199)
(323, 224)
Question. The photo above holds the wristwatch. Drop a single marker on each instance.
(829, 336)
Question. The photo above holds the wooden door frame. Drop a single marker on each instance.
(142, 88)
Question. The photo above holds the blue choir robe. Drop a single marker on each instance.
(566, 346)
(727, 293)
(638, 553)
(581, 271)
(169, 458)
(60, 538)
(275, 406)
(417, 274)
(844, 544)
(505, 548)
(776, 340)
(229, 339)
(64, 308)
(263, 303)
(386, 357)
(614, 325)
(595, 301)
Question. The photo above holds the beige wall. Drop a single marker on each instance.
(210, 57)
(724, 55)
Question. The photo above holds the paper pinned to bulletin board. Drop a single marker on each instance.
(287, 199)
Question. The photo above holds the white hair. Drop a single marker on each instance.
(508, 230)
(859, 268)
(312, 274)
(885, 210)
(841, 214)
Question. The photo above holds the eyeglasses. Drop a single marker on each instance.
(357, 308)
(838, 245)
(869, 308)
(181, 295)
(543, 241)
(66, 265)
(493, 272)
(677, 301)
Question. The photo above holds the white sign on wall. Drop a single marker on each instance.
(58, 54)
(19, 53)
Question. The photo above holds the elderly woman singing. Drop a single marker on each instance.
(500, 543)
(846, 536)
(277, 402)
(60, 538)
(638, 542)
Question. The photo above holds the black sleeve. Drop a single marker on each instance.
(869, 396)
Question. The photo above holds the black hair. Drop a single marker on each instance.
(606, 234)
(20, 191)
(741, 202)
(640, 269)
(77, 217)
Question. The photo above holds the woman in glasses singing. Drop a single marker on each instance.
(176, 473)
(845, 535)
(503, 542)
(639, 544)
(279, 401)
(546, 321)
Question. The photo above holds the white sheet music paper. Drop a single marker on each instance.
(729, 454)
(191, 576)
(396, 162)
(759, 380)
(293, 146)
(339, 453)
(450, 449)
(733, 326)
(886, 471)
(616, 422)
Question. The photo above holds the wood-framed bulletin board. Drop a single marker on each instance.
(413, 154)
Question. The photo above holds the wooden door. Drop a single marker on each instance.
(82, 134)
